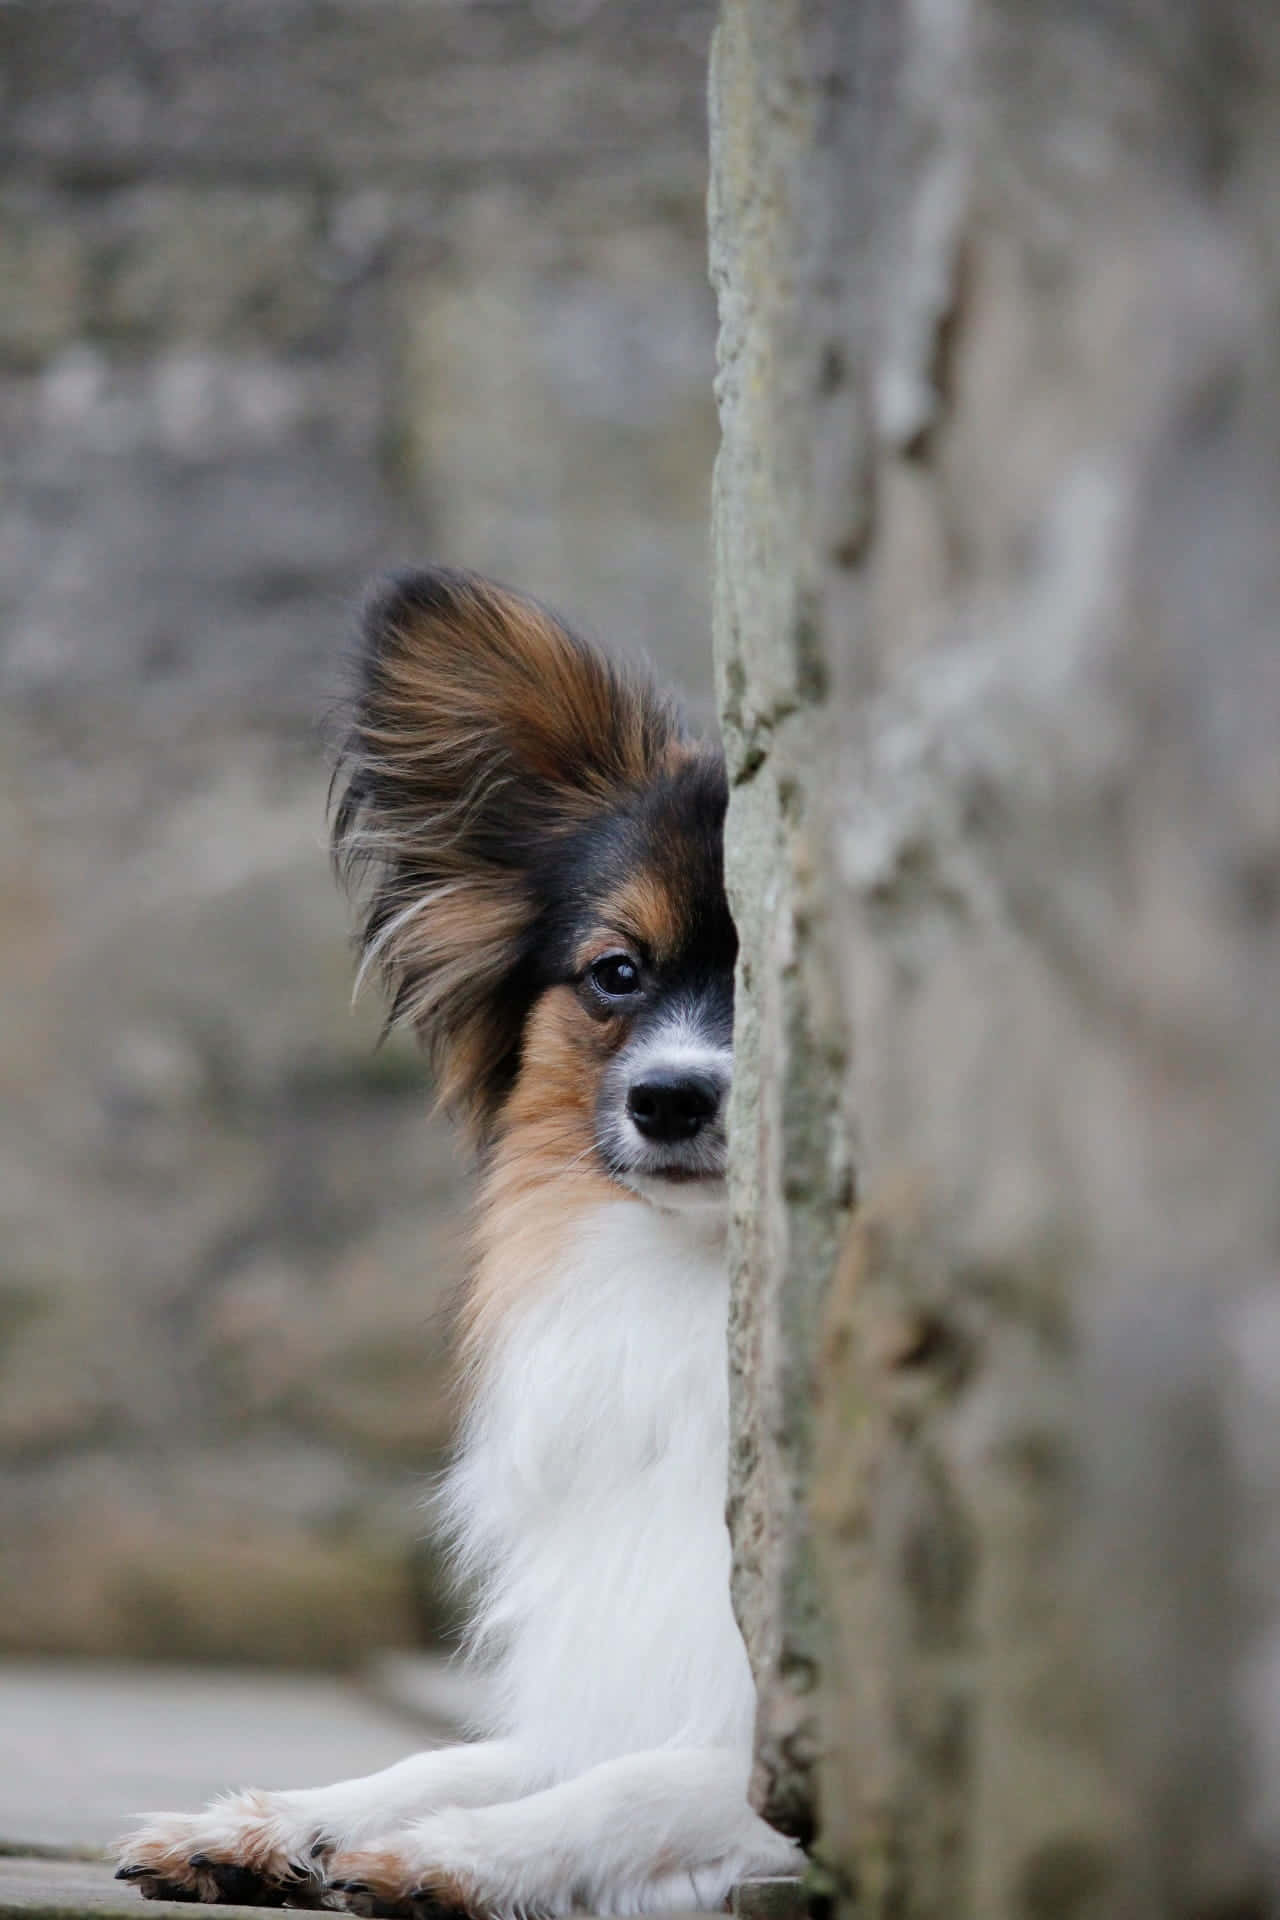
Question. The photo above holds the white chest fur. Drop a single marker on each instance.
(589, 1499)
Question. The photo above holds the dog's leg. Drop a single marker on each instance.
(644, 1833)
(260, 1848)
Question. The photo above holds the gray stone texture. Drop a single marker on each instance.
(996, 615)
(288, 292)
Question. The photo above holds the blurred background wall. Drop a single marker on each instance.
(290, 290)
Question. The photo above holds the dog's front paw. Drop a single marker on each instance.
(247, 1849)
(403, 1874)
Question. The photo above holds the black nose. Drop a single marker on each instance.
(673, 1105)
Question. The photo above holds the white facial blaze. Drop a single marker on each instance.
(680, 1175)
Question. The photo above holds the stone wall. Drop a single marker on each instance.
(288, 291)
(996, 610)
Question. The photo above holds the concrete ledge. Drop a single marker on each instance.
(72, 1889)
(54, 1889)
(781, 1899)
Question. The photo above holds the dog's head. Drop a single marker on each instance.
(545, 905)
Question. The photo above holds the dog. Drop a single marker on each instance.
(537, 843)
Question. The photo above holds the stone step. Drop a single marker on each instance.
(42, 1889)
(86, 1747)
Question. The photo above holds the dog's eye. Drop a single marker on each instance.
(615, 975)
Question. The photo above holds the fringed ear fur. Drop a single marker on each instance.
(482, 726)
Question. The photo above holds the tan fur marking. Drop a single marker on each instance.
(390, 1876)
(643, 904)
(525, 680)
(460, 947)
(256, 1847)
(544, 1173)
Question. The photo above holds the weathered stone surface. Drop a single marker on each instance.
(997, 590)
(74, 1890)
(791, 1181)
(288, 293)
(390, 88)
(770, 1900)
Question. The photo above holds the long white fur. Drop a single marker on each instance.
(647, 1832)
(588, 1502)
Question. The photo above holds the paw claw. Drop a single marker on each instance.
(245, 1850)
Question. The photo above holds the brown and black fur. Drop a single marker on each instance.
(508, 793)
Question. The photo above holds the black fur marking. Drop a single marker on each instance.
(674, 830)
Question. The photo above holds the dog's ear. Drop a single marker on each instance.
(483, 730)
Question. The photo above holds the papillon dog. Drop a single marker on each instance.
(537, 844)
